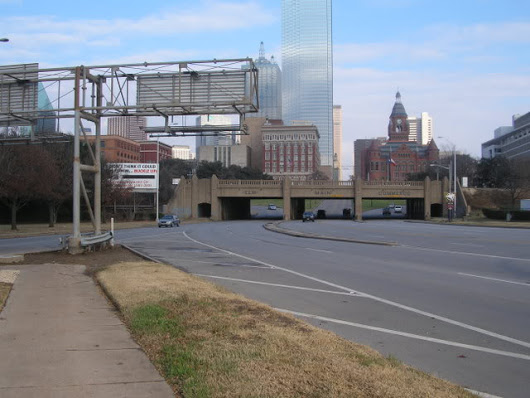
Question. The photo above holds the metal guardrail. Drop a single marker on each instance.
(88, 240)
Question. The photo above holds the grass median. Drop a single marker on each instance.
(209, 342)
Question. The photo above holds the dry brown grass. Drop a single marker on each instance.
(5, 288)
(212, 343)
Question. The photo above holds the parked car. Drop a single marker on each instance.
(391, 206)
(321, 213)
(386, 211)
(272, 206)
(168, 221)
(308, 216)
(398, 209)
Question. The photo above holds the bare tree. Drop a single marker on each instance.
(25, 174)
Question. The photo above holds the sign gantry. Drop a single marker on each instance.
(90, 93)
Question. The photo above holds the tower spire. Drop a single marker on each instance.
(261, 51)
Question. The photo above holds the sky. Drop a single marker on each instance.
(466, 62)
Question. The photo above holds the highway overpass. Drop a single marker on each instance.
(230, 199)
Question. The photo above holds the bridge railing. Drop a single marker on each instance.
(322, 183)
(253, 183)
(394, 183)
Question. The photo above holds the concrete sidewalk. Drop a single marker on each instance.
(59, 337)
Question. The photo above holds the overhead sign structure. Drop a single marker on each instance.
(140, 177)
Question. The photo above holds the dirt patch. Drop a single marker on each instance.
(94, 261)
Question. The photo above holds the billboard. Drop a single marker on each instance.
(140, 177)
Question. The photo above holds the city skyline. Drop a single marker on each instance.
(465, 63)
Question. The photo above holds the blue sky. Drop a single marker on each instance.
(466, 63)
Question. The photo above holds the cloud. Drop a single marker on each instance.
(208, 16)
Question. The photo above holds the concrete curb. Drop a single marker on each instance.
(274, 227)
(459, 224)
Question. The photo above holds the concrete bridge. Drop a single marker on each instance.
(230, 199)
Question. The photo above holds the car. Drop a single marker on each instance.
(386, 211)
(398, 209)
(272, 206)
(321, 213)
(391, 205)
(308, 216)
(168, 221)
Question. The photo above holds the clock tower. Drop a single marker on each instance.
(398, 127)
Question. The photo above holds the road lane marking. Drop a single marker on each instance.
(227, 264)
(409, 335)
(465, 253)
(482, 394)
(467, 244)
(279, 285)
(495, 279)
(375, 298)
(318, 250)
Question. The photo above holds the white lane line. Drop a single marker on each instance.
(495, 279)
(465, 253)
(318, 250)
(228, 264)
(381, 300)
(482, 394)
(409, 335)
(278, 285)
(467, 244)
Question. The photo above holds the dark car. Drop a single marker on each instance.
(168, 221)
(321, 213)
(308, 216)
(386, 211)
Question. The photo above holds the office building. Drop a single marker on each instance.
(222, 138)
(307, 68)
(420, 128)
(154, 151)
(228, 155)
(270, 87)
(117, 149)
(512, 142)
(290, 151)
(337, 142)
(131, 127)
(181, 152)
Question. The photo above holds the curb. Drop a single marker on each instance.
(274, 227)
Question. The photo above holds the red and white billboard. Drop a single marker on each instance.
(140, 177)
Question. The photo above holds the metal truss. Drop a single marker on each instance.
(90, 93)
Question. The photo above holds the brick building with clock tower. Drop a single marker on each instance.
(395, 158)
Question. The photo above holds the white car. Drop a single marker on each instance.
(272, 206)
(398, 209)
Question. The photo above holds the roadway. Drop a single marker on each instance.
(450, 300)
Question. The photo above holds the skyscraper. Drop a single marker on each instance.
(307, 68)
(131, 127)
(337, 142)
(421, 128)
(270, 87)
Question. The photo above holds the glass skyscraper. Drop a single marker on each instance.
(307, 68)
(270, 87)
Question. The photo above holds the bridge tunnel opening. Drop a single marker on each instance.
(437, 210)
(204, 210)
(235, 209)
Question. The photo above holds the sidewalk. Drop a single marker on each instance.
(59, 337)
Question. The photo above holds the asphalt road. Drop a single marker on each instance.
(450, 300)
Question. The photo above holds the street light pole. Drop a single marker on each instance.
(157, 175)
(453, 172)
